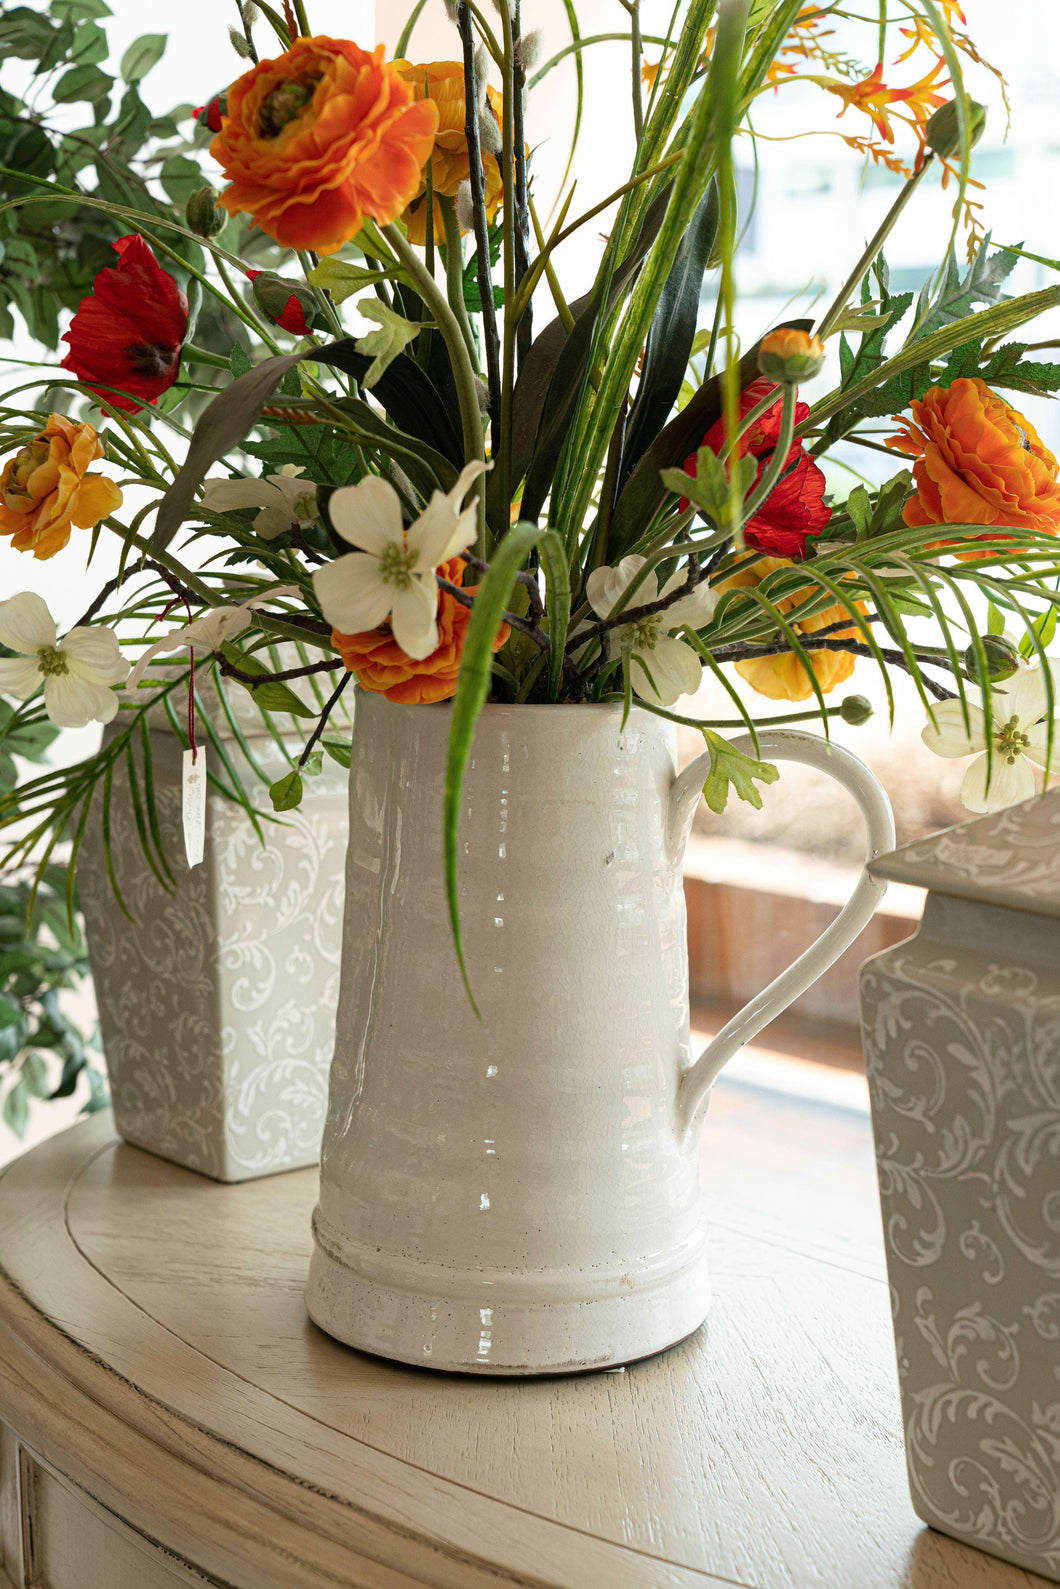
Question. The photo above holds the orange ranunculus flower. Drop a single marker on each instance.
(380, 665)
(978, 462)
(45, 488)
(320, 139)
(442, 82)
(783, 677)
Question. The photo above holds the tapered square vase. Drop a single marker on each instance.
(217, 998)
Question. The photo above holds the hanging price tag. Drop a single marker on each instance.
(194, 804)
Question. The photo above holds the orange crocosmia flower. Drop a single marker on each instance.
(380, 665)
(783, 677)
(442, 82)
(321, 139)
(873, 96)
(978, 462)
(45, 489)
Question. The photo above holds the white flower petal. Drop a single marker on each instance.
(605, 585)
(272, 522)
(413, 619)
(696, 610)
(951, 738)
(368, 515)
(352, 593)
(1024, 696)
(25, 623)
(1038, 748)
(297, 498)
(229, 496)
(93, 653)
(19, 676)
(1010, 782)
(464, 480)
(72, 702)
(430, 534)
(674, 670)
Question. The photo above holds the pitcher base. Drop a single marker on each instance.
(551, 1335)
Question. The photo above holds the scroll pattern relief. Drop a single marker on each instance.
(963, 1058)
(217, 1002)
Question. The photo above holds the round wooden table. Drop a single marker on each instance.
(171, 1417)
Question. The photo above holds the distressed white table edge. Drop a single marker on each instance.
(159, 1442)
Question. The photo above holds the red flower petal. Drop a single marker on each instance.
(129, 333)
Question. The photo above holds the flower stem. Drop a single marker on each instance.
(776, 465)
(454, 273)
(463, 374)
(477, 176)
(872, 248)
(504, 461)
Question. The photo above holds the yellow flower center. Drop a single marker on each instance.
(644, 634)
(25, 462)
(397, 565)
(285, 104)
(1011, 742)
(50, 660)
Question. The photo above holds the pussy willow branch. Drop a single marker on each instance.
(749, 653)
(478, 207)
(328, 707)
(255, 680)
(521, 218)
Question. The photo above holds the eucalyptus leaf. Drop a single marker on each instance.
(144, 53)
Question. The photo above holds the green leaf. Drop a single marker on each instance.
(25, 33)
(239, 360)
(859, 507)
(16, 1109)
(342, 279)
(995, 619)
(78, 10)
(82, 82)
(181, 177)
(34, 1072)
(10, 1011)
(958, 296)
(286, 792)
(143, 53)
(673, 329)
(729, 766)
(487, 615)
(340, 750)
(272, 696)
(557, 589)
(383, 346)
(313, 764)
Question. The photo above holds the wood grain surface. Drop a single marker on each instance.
(156, 1361)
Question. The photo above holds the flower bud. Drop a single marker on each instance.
(855, 709)
(528, 50)
(790, 356)
(489, 134)
(209, 115)
(288, 304)
(1002, 658)
(202, 214)
(465, 209)
(239, 44)
(942, 133)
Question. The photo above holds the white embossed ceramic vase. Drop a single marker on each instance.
(520, 1194)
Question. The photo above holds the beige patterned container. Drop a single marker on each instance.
(962, 1045)
(217, 1003)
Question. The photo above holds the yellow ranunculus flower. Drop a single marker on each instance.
(783, 677)
(443, 83)
(45, 488)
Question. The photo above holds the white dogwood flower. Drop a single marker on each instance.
(208, 632)
(284, 499)
(77, 672)
(392, 573)
(662, 667)
(1017, 730)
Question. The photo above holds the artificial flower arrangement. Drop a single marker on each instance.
(498, 493)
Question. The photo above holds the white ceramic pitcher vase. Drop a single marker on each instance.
(520, 1194)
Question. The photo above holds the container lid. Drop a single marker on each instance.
(1010, 857)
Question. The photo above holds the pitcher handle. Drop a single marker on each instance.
(785, 744)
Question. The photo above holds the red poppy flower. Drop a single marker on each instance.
(128, 334)
(285, 302)
(795, 508)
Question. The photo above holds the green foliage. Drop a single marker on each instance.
(958, 294)
(40, 960)
(731, 768)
